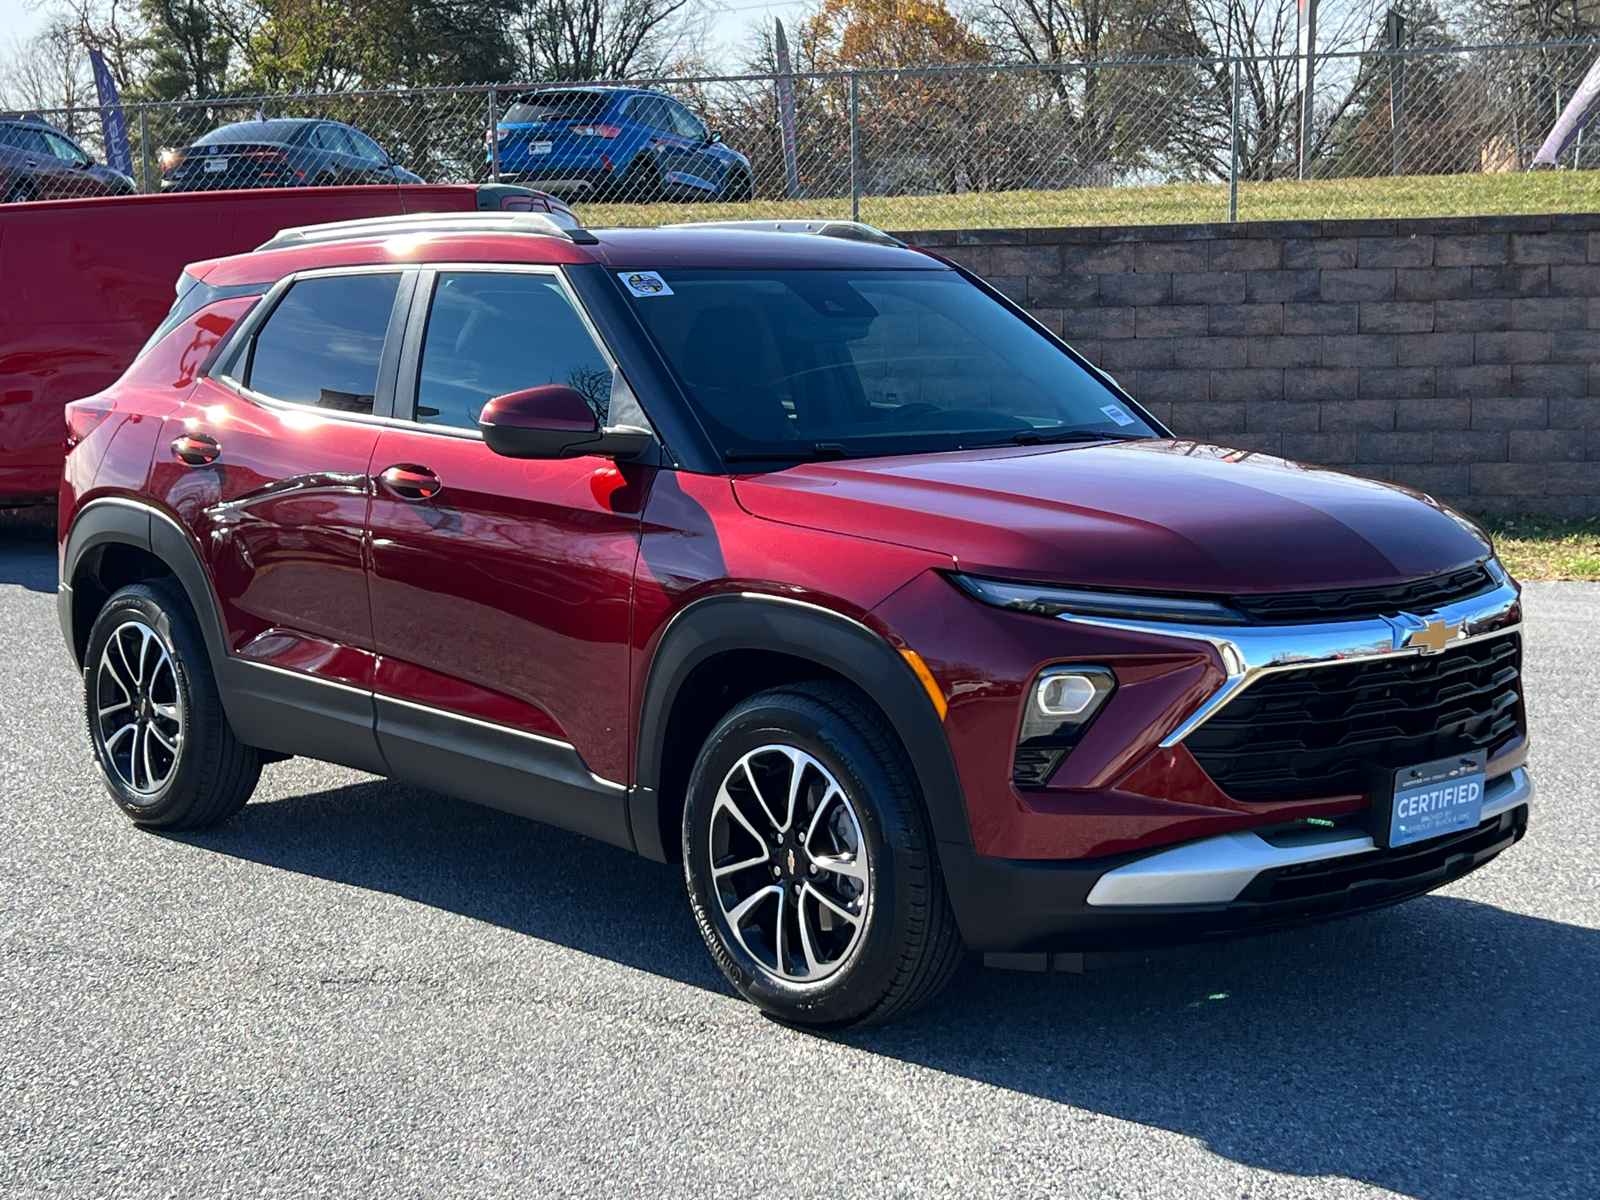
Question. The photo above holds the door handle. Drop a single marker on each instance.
(196, 449)
(411, 482)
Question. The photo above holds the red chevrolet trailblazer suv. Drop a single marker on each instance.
(792, 552)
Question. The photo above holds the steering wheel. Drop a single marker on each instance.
(913, 410)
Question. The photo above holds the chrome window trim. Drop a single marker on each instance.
(410, 377)
(1251, 652)
(241, 340)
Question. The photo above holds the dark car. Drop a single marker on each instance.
(291, 152)
(39, 162)
(617, 143)
(804, 558)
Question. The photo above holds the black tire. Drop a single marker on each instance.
(208, 774)
(903, 945)
(642, 183)
(21, 191)
(740, 190)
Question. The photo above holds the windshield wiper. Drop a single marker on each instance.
(816, 452)
(1035, 437)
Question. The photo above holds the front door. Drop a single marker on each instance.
(501, 588)
(267, 467)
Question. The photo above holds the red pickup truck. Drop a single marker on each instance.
(83, 284)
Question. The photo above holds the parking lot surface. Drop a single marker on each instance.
(360, 989)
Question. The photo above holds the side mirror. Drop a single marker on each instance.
(715, 139)
(553, 421)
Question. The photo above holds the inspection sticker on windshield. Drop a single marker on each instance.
(644, 283)
(1117, 415)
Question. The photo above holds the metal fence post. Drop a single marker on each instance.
(144, 148)
(1233, 145)
(855, 125)
(494, 136)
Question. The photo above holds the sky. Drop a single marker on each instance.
(19, 19)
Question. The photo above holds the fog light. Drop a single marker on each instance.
(1061, 705)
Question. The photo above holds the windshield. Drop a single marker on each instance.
(555, 106)
(791, 365)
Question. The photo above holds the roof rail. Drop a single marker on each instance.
(850, 231)
(536, 224)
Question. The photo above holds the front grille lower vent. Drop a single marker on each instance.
(1310, 732)
(1350, 604)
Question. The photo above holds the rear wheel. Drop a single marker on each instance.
(739, 189)
(642, 183)
(165, 749)
(809, 862)
(21, 191)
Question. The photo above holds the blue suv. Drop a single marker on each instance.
(616, 143)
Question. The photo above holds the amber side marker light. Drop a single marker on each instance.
(931, 684)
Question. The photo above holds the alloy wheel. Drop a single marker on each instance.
(789, 865)
(139, 716)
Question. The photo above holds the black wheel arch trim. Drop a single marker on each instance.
(728, 623)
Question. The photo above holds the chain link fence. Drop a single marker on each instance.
(1447, 131)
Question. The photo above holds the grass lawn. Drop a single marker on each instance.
(1168, 204)
(1548, 547)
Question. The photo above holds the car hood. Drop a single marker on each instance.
(1162, 515)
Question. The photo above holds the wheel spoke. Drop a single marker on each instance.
(851, 867)
(103, 713)
(128, 681)
(761, 797)
(725, 803)
(814, 964)
(171, 746)
(737, 914)
(145, 638)
(131, 727)
(828, 901)
(781, 937)
(169, 712)
(797, 770)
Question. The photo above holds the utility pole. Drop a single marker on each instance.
(1306, 12)
(1395, 27)
(791, 169)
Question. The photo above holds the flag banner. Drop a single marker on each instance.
(112, 123)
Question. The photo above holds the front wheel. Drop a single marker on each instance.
(809, 861)
(167, 754)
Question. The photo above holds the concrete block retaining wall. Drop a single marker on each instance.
(1457, 355)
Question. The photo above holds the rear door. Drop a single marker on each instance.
(501, 588)
(699, 155)
(267, 464)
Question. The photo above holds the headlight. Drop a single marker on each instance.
(1061, 704)
(1047, 601)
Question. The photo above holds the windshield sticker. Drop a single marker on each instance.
(644, 283)
(1116, 414)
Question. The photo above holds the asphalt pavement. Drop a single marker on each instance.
(361, 989)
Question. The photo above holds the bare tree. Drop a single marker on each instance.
(50, 71)
(607, 39)
(1263, 35)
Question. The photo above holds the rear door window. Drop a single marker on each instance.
(493, 332)
(648, 110)
(686, 122)
(322, 344)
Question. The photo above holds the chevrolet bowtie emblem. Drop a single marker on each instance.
(1434, 636)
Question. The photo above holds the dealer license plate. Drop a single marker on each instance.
(540, 147)
(216, 164)
(1436, 798)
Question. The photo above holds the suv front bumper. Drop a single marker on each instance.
(1231, 884)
